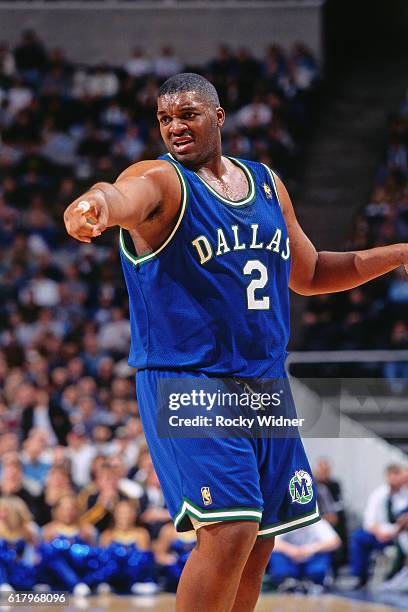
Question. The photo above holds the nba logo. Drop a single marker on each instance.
(206, 495)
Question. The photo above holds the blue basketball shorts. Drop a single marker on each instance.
(261, 478)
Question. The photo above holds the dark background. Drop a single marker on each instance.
(359, 30)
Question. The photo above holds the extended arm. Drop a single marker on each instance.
(315, 272)
(139, 192)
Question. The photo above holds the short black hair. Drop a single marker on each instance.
(393, 468)
(189, 81)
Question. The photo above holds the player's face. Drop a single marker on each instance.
(190, 127)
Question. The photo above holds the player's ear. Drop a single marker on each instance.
(220, 116)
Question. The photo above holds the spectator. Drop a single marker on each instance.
(380, 528)
(304, 67)
(47, 415)
(34, 468)
(166, 63)
(81, 454)
(12, 484)
(397, 371)
(115, 335)
(114, 118)
(57, 484)
(7, 62)
(399, 581)
(88, 415)
(137, 65)
(19, 96)
(128, 441)
(66, 522)
(44, 290)
(128, 547)
(17, 532)
(254, 116)
(97, 506)
(30, 56)
(131, 144)
(155, 513)
(118, 416)
(398, 290)
(128, 487)
(304, 556)
(331, 503)
(59, 147)
(66, 564)
(171, 551)
(101, 438)
(102, 82)
(9, 443)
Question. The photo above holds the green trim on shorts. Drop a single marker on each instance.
(189, 509)
(269, 531)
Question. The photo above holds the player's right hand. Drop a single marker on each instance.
(87, 217)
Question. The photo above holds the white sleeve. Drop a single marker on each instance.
(376, 510)
(325, 531)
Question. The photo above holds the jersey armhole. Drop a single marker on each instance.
(272, 176)
(136, 260)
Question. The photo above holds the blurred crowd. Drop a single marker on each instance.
(80, 504)
(374, 316)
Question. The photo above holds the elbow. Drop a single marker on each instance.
(304, 289)
(304, 275)
(101, 185)
(304, 292)
(311, 287)
(303, 280)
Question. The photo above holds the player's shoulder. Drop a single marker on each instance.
(242, 161)
(255, 165)
(262, 172)
(157, 168)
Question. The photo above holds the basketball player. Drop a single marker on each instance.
(210, 246)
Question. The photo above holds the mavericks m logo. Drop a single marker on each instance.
(301, 487)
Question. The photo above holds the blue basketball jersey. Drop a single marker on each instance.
(214, 296)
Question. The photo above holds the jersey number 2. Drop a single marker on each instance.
(260, 303)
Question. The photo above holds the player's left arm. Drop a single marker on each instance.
(315, 272)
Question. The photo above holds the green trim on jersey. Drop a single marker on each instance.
(268, 531)
(188, 508)
(251, 182)
(273, 183)
(143, 258)
(250, 178)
